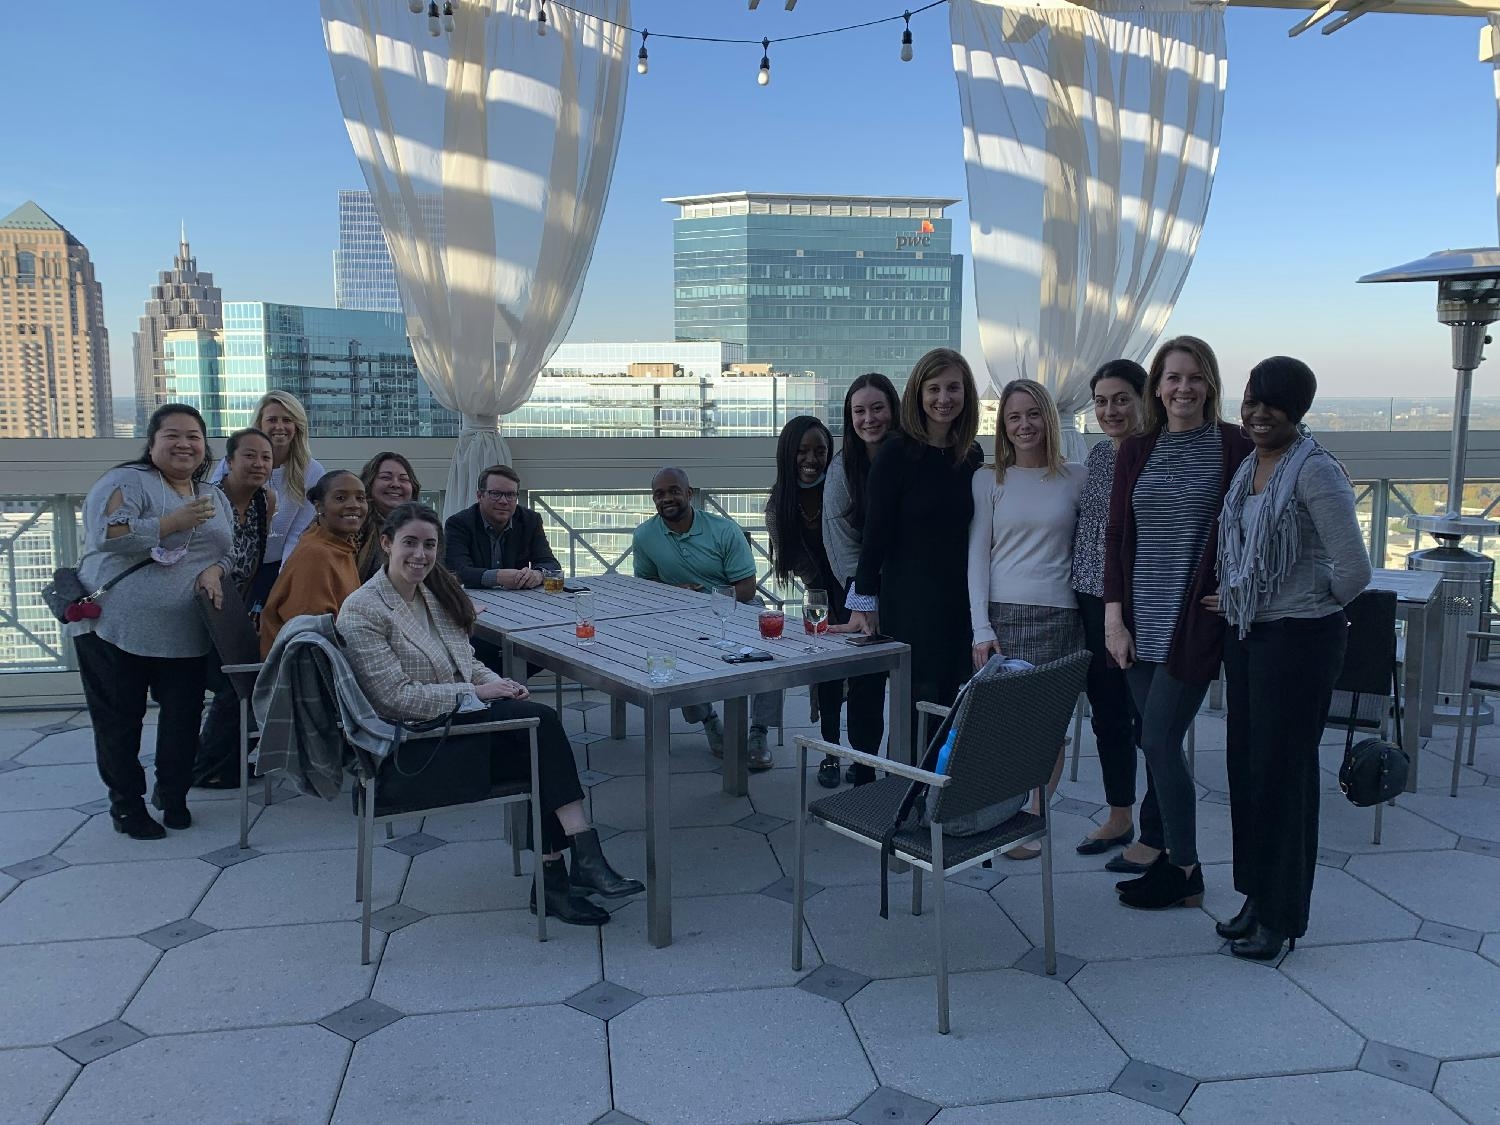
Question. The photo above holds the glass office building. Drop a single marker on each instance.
(364, 277)
(353, 370)
(830, 285)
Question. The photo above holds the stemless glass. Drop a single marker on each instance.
(661, 665)
(552, 580)
(815, 612)
(772, 620)
(583, 606)
(724, 601)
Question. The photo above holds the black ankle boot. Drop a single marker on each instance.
(1262, 944)
(562, 903)
(1169, 888)
(1153, 871)
(1241, 925)
(591, 872)
(172, 815)
(136, 823)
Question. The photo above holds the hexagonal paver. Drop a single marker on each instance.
(1474, 812)
(1343, 908)
(1144, 1004)
(1490, 947)
(698, 800)
(454, 962)
(1347, 828)
(287, 888)
(56, 990)
(795, 1057)
(460, 878)
(849, 930)
(1472, 1088)
(1091, 924)
(1079, 1109)
(1050, 1043)
(705, 861)
(718, 942)
(1431, 998)
(248, 978)
(302, 823)
(155, 1076)
(74, 746)
(33, 833)
(32, 1081)
(1437, 885)
(1344, 1098)
(49, 787)
(830, 859)
(215, 823)
(466, 1068)
(103, 900)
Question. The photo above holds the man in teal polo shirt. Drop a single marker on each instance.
(682, 546)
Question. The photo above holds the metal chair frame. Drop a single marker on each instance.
(246, 737)
(1476, 692)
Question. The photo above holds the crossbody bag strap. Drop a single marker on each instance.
(126, 573)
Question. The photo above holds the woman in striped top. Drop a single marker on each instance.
(1159, 566)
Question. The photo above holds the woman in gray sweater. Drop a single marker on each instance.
(1290, 558)
(150, 637)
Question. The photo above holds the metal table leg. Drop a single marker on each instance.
(616, 719)
(658, 826)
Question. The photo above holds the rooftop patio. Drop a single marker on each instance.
(184, 979)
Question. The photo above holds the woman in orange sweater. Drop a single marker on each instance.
(323, 570)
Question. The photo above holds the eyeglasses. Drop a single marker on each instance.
(496, 495)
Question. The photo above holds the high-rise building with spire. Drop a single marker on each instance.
(181, 298)
(54, 348)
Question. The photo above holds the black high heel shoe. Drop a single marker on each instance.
(1165, 886)
(1241, 925)
(1263, 944)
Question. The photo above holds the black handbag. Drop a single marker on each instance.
(451, 770)
(70, 600)
(1373, 771)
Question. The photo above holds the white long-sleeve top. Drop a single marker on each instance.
(1021, 541)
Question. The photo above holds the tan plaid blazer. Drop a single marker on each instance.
(407, 672)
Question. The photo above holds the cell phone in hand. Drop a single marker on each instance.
(859, 640)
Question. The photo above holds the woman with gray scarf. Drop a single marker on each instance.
(1290, 558)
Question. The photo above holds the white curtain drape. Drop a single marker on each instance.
(1494, 22)
(488, 152)
(1090, 141)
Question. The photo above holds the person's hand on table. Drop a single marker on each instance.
(864, 622)
(849, 627)
(502, 689)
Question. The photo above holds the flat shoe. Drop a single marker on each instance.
(1024, 852)
(1124, 866)
(1095, 846)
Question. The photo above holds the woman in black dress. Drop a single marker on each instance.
(912, 581)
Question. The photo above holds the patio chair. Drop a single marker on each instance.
(1481, 678)
(238, 648)
(1008, 729)
(1370, 669)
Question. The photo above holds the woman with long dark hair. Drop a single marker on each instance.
(389, 482)
(154, 514)
(912, 579)
(406, 633)
(1291, 557)
(1161, 550)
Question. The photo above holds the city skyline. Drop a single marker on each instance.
(1304, 202)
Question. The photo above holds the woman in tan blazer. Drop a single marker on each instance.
(406, 633)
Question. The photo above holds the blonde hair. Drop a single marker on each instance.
(965, 427)
(1208, 364)
(1005, 452)
(300, 455)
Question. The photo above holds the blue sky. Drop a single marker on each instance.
(1341, 155)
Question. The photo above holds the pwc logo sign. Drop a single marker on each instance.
(922, 237)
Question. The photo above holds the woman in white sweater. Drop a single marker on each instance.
(1021, 601)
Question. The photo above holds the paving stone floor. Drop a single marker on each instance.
(182, 980)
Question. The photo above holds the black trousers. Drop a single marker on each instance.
(115, 685)
(1279, 683)
(1117, 728)
(510, 760)
(219, 740)
(866, 699)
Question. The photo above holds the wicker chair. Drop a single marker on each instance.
(1008, 730)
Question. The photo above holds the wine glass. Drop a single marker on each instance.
(815, 611)
(724, 601)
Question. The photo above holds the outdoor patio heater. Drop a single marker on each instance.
(1468, 301)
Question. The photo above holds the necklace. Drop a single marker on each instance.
(169, 556)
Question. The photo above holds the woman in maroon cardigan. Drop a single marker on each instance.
(1159, 564)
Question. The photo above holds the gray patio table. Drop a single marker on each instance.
(615, 663)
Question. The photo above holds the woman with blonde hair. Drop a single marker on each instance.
(1021, 601)
(282, 418)
(910, 581)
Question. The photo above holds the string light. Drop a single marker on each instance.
(448, 15)
(541, 17)
(764, 77)
(906, 38)
(642, 62)
(434, 24)
(414, 7)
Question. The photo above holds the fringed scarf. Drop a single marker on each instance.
(1254, 558)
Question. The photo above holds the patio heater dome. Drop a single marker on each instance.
(1468, 301)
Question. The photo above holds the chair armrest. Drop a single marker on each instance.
(473, 728)
(934, 708)
(1484, 636)
(234, 669)
(901, 769)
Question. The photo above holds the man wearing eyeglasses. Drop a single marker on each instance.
(496, 542)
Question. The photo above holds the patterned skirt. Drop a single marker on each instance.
(1036, 633)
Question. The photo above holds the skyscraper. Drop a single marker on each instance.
(54, 348)
(364, 276)
(181, 298)
(834, 285)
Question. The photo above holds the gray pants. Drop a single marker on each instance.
(1166, 706)
(765, 710)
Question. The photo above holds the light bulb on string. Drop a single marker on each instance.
(764, 77)
(906, 38)
(434, 22)
(541, 18)
(415, 7)
(642, 62)
(448, 15)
